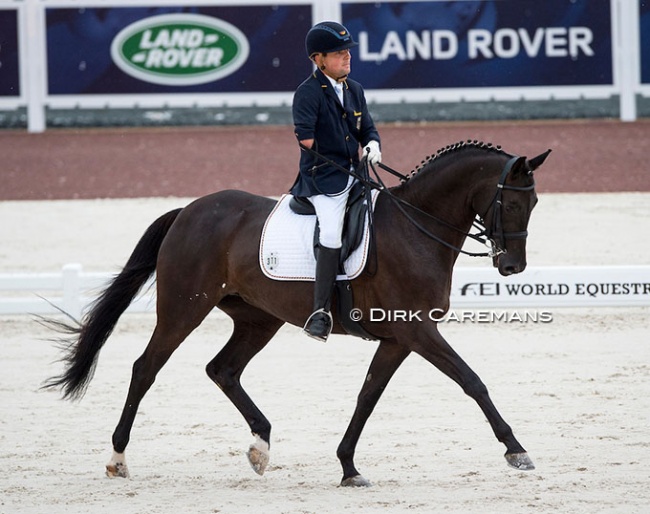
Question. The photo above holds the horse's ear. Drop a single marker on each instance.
(519, 166)
(536, 162)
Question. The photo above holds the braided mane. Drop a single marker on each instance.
(449, 149)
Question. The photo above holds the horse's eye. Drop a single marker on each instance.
(512, 208)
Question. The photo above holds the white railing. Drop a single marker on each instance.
(72, 290)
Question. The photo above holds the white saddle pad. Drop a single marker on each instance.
(286, 249)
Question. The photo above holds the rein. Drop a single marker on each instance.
(485, 234)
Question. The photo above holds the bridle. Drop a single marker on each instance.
(491, 235)
(494, 232)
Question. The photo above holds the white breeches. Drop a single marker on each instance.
(330, 211)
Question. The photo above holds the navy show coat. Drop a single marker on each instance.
(337, 131)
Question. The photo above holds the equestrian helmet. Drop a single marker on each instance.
(328, 36)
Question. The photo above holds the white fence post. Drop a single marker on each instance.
(628, 56)
(72, 289)
(36, 65)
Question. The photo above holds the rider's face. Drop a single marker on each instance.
(337, 64)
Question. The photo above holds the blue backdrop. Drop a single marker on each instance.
(644, 11)
(9, 72)
(425, 44)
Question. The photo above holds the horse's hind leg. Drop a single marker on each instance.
(253, 329)
(387, 359)
(169, 333)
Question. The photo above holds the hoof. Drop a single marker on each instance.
(117, 468)
(355, 481)
(258, 455)
(520, 461)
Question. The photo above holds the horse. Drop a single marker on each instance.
(205, 255)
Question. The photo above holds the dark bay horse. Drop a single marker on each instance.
(206, 255)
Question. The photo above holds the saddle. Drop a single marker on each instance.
(355, 216)
(353, 226)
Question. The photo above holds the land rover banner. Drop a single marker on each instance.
(9, 72)
(481, 43)
(184, 49)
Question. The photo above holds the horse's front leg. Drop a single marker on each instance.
(435, 349)
(388, 357)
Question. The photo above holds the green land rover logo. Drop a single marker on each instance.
(180, 49)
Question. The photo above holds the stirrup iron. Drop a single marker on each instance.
(330, 322)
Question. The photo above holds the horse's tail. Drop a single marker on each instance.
(88, 337)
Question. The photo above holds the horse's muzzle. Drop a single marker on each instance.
(508, 265)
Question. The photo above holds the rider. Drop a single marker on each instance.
(331, 117)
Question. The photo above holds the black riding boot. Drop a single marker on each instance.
(319, 324)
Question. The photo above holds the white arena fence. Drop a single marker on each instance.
(72, 290)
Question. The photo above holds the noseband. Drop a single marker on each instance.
(494, 232)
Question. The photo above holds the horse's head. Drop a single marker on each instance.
(507, 210)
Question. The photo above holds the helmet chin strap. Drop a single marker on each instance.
(322, 67)
(338, 79)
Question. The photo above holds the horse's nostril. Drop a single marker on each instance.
(512, 269)
(509, 269)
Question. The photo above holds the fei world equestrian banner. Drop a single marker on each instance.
(505, 43)
(243, 49)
